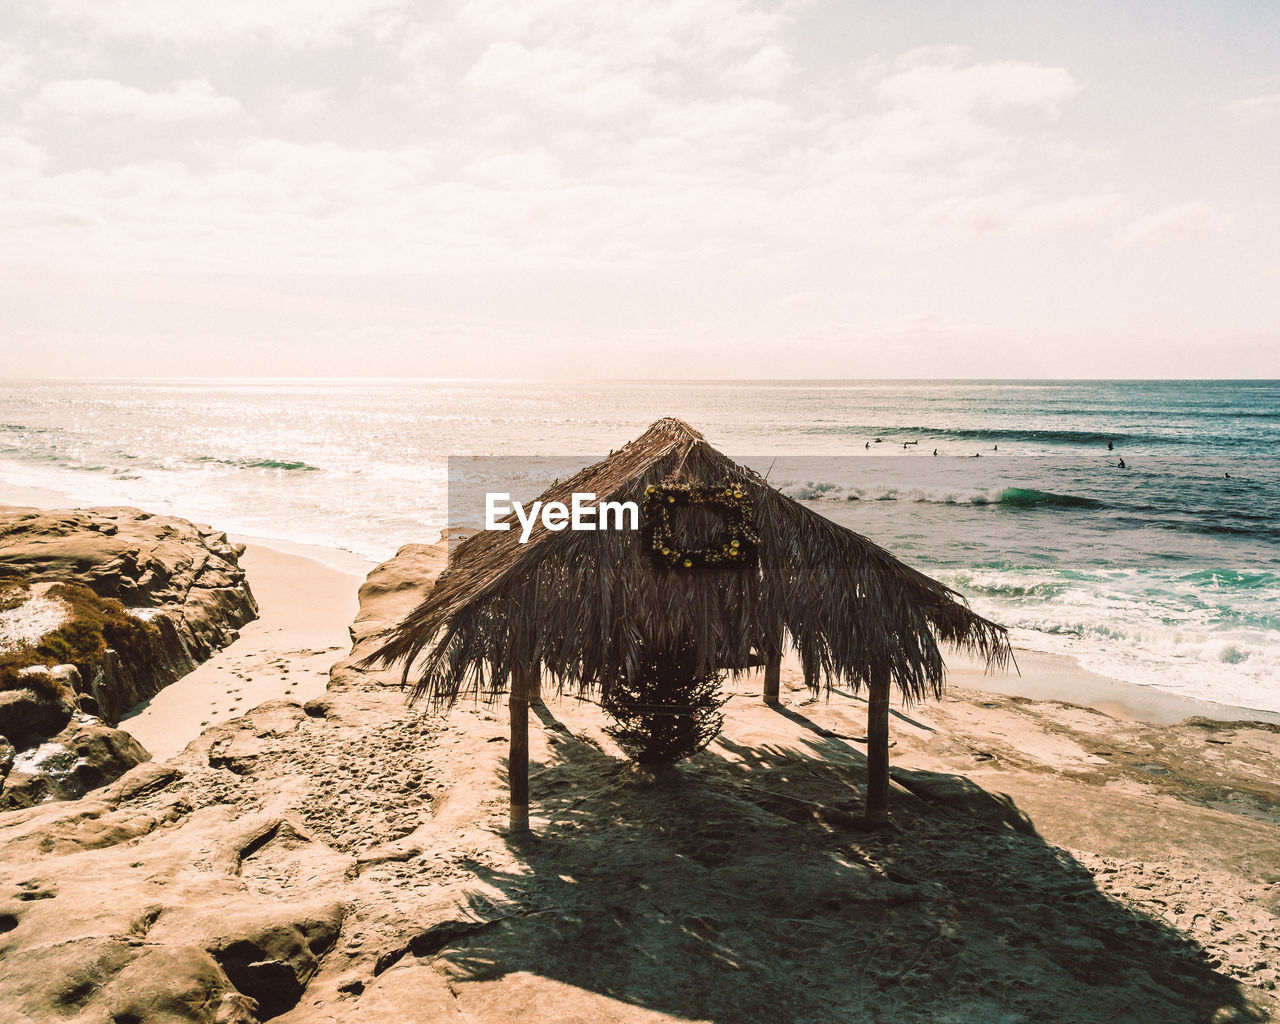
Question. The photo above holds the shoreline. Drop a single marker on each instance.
(1060, 677)
(314, 573)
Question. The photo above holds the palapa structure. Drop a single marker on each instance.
(579, 607)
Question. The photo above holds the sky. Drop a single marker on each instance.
(658, 189)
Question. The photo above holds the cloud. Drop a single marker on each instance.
(1190, 221)
(535, 169)
(627, 167)
(1252, 110)
(287, 22)
(674, 32)
(294, 102)
(19, 156)
(598, 63)
(940, 83)
(1024, 210)
(95, 98)
(766, 70)
(575, 82)
(15, 68)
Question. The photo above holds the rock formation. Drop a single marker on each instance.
(100, 609)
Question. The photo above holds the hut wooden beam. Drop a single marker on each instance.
(878, 746)
(518, 757)
(772, 678)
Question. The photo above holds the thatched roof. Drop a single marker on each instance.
(579, 606)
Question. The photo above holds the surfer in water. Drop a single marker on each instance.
(935, 451)
(1110, 447)
(1121, 465)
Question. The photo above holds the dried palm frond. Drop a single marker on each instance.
(583, 606)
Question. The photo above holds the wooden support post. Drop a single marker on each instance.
(518, 758)
(878, 747)
(535, 687)
(772, 678)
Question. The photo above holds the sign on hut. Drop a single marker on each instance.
(726, 571)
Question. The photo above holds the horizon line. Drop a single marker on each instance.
(643, 380)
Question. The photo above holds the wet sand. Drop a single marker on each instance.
(1059, 677)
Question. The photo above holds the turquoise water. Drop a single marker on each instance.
(1165, 573)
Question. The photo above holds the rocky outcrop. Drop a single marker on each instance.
(27, 716)
(181, 578)
(394, 588)
(83, 756)
(187, 932)
(99, 610)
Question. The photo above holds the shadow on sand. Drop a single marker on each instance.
(719, 893)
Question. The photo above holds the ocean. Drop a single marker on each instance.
(1165, 573)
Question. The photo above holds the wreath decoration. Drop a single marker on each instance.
(741, 540)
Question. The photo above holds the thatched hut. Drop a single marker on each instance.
(580, 607)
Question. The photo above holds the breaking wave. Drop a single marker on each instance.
(1009, 497)
(284, 465)
(888, 434)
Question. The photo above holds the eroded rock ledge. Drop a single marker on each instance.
(100, 609)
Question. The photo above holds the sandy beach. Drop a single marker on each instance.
(306, 605)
